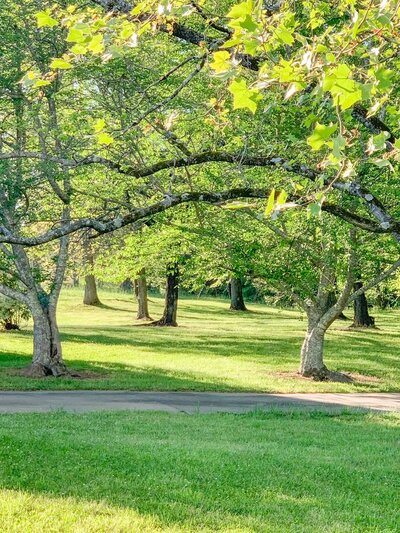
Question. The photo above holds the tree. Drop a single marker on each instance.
(236, 294)
(130, 155)
(140, 285)
(90, 296)
(169, 317)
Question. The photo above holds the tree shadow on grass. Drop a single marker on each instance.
(223, 472)
(109, 376)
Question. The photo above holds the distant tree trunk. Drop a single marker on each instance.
(141, 296)
(332, 299)
(127, 285)
(171, 298)
(236, 294)
(90, 297)
(362, 318)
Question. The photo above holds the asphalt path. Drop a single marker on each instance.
(190, 402)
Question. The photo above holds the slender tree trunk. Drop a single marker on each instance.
(91, 297)
(362, 318)
(171, 298)
(236, 294)
(141, 296)
(47, 352)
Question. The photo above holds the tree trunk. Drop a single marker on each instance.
(332, 300)
(90, 296)
(236, 294)
(141, 296)
(126, 285)
(312, 352)
(362, 318)
(171, 298)
(47, 353)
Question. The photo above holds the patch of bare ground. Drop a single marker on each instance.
(338, 377)
(73, 374)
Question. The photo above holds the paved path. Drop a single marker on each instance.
(189, 402)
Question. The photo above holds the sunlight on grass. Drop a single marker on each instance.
(260, 472)
(213, 349)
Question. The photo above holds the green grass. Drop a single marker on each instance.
(148, 472)
(213, 349)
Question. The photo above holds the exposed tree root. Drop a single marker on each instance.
(323, 374)
(41, 371)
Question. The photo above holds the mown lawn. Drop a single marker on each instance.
(147, 472)
(213, 349)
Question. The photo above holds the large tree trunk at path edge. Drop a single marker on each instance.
(141, 296)
(236, 294)
(171, 299)
(91, 296)
(47, 353)
(312, 352)
(362, 318)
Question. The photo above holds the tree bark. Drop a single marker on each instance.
(47, 357)
(236, 294)
(362, 318)
(312, 351)
(141, 296)
(171, 298)
(91, 297)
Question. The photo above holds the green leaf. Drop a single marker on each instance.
(320, 135)
(96, 45)
(338, 145)
(384, 77)
(345, 91)
(282, 198)
(60, 64)
(377, 143)
(45, 20)
(382, 163)
(243, 97)
(314, 209)
(79, 49)
(284, 35)
(240, 10)
(75, 36)
(99, 125)
(270, 203)
(41, 83)
(221, 61)
(105, 138)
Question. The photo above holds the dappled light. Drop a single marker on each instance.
(211, 350)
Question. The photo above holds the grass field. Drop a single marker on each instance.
(148, 472)
(213, 349)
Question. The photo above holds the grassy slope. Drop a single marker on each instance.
(129, 472)
(213, 349)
